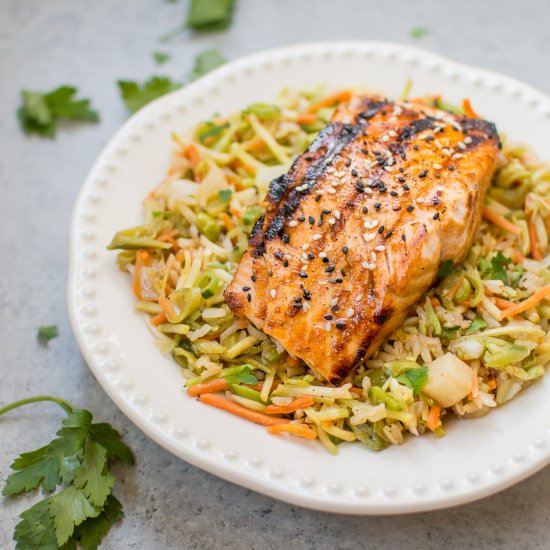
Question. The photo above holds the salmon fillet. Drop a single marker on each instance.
(354, 233)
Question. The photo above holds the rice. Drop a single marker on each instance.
(188, 249)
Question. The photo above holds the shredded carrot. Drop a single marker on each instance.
(467, 106)
(529, 303)
(159, 319)
(475, 386)
(168, 236)
(298, 403)
(501, 221)
(533, 238)
(356, 391)
(338, 97)
(212, 386)
(306, 118)
(501, 303)
(166, 306)
(255, 145)
(236, 212)
(242, 323)
(234, 408)
(434, 417)
(195, 159)
(299, 430)
(227, 221)
(293, 361)
(435, 302)
(517, 257)
(142, 258)
(259, 386)
(492, 383)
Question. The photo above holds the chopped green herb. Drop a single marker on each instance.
(419, 32)
(252, 214)
(445, 268)
(41, 111)
(414, 378)
(478, 323)
(136, 96)
(264, 110)
(161, 57)
(225, 195)
(77, 463)
(367, 435)
(497, 264)
(209, 15)
(47, 333)
(484, 267)
(205, 62)
(245, 376)
(211, 130)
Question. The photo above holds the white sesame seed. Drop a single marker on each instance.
(386, 138)
(322, 254)
(370, 267)
(337, 214)
(467, 139)
(305, 307)
(388, 168)
(331, 191)
(369, 236)
(330, 170)
(327, 326)
(334, 302)
(273, 293)
(373, 256)
(364, 264)
(436, 166)
(292, 223)
(380, 248)
(390, 161)
(392, 133)
(447, 152)
(332, 221)
(368, 191)
(461, 145)
(387, 153)
(316, 237)
(458, 156)
(397, 110)
(287, 257)
(350, 312)
(305, 246)
(358, 298)
(304, 267)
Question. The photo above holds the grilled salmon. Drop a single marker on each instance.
(354, 233)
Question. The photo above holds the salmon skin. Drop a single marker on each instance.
(354, 233)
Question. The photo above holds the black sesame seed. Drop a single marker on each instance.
(360, 189)
(309, 158)
(451, 168)
(249, 297)
(327, 316)
(253, 278)
(377, 153)
(320, 222)
(334, 308)
(354, 172)
(347, 162)
(403, 156)
(416, 147)
(311, 219)
(394, 193)
(345, 249)
(340, 325)
(430, 138)
(401, 169)
(311, 256)
(301, 218)
(377, 205)
(410, 208)
(306, 292)
(285, 239)
(406, 187)
(438, 175)
(343, 272)
(423, 174)
(403, 238)
(246, 288)
(339, 280)
(285, 263)
(326, 260)
(436, 216)
(388, 234)
(307, 297)
(360, 184)
(381, 230)
(298, 299)
(365, 210)
(364, 151)
(303, 274)
(318, 197)
(329, 269)
(350, 204)
(401, 179)
(325, 211)
(382, 189)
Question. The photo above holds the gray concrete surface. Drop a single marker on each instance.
(168, 503)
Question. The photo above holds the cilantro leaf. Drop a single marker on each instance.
(36, 528)
(497, 265)
(40, 111)
(418, 378)
(478, 323)
(208, 15)
(47, 333)
(245, 376)
(70, 508)
(136, 96)
(445, 268)
(205, 62)
(92, 475)
(161, 57)
(91, 531)
(225, 195)
(419, 32)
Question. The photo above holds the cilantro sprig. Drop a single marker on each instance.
(74, 468)
(40, 111)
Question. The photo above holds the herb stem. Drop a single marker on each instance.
(65, 405)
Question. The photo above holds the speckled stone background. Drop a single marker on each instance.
(170, 504)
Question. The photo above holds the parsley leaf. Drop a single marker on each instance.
(47, 333)
(77, 462)
(415, 378)
(136, 96)
(40, 111)
(445, 268)
(161, 57)
(205, 62)
(497, 265)
(209, 15)
(245, 376)
(419, 32)
(478, 323)
(225, 194)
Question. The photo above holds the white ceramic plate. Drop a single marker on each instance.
(475, 459)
